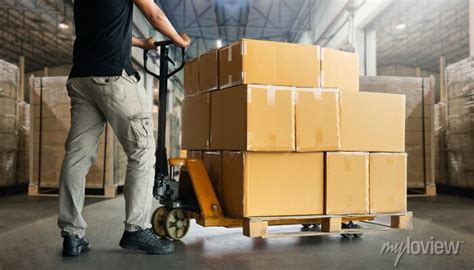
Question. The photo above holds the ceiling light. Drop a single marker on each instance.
(219, 43)
(400, 26)
(63, 26)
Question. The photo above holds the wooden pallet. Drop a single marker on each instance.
(106, 192)
(428, 191)
(330, 224)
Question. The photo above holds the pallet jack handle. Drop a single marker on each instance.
(161, 166)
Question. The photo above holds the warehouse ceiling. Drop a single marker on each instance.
(207, 21)
(416, 33)
(30, 28)
(431, 28)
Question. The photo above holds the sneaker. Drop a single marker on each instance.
(147, 241)
(73, 245)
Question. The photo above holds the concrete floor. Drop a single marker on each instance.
(29, 239)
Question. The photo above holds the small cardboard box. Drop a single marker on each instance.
(388, 182)
(339, 69)
(209, 71)
(191, 77)
(196, 122)
(253, 118)
(267, 62)
(347, 183)
(272, 184)
(213, 163)
(331, 120)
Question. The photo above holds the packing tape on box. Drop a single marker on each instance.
(318, 136)
(271, 139)
(249, 140)
(242, 76)
(229, 79)
(347, 164)
(367, 194)
(321, 82)
(249, 95)
(229, 53)
(243, 48)
(321, 54)
(271, 95)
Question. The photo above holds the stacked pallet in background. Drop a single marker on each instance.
(441, 171)
(418, 91)
(50, 122)
(275, 143)
(460, 129)
(8, 123)
(23, 166)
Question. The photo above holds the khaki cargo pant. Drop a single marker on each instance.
(120, 101)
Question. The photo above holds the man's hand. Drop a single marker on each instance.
(146, 44)
(186, 40)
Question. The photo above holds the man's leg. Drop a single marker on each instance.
(87, 124)
(128, 109)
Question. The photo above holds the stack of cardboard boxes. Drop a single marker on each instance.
(283, 130)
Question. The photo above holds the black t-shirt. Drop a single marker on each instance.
(103, 38)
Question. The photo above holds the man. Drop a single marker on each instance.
(103, 87)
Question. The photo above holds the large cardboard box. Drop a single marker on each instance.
(272, 184)
(347, 183)
(330, 120)
(191, 77)
(209, 71)
(266, 62)
(339, 69)
(318, 124)
(388, 182)
(213, 164)
(196, 122)
(253, 118)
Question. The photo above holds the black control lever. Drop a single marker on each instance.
(164, 53)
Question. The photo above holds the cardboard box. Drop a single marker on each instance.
(209, 71)
(272, 184)
(191, 77)
(253, 118)
(266, 62)
(388, 182)
(195, 122)
(318, 124)
(330, 120)
(347, 183)
(213, 164)
(339, 69)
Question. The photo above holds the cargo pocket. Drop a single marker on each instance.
(110, 89)
(142, 129)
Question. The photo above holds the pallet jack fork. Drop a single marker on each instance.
(173, 218)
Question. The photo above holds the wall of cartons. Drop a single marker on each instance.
(418, 91)
(8, 123)
(50, 122)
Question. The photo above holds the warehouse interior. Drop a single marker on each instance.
(413, 59)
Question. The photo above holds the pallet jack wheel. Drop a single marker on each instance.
(158, 221)
(177, 224)
(351, 225)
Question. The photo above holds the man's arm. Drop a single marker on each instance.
(160, 22)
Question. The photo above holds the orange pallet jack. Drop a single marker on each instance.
(193, 196)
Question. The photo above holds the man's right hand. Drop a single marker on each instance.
(186, 40)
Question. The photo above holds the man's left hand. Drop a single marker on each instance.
(149, 44)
